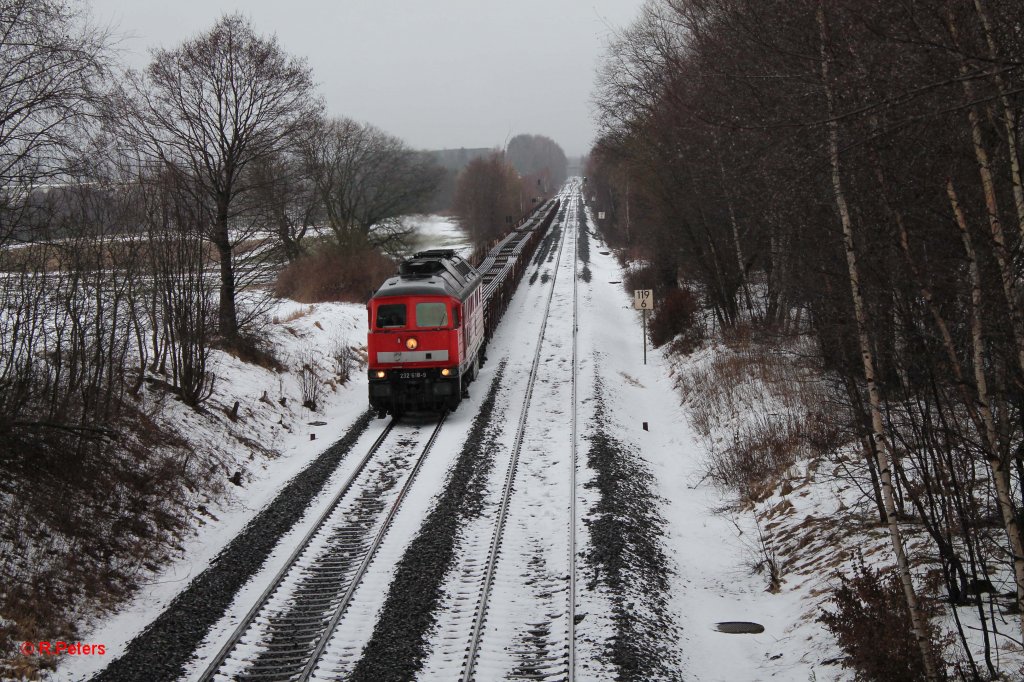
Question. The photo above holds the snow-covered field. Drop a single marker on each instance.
(438, 232)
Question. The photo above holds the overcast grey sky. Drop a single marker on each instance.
(437, 73)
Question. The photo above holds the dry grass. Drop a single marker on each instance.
(760, 410)
(296, 314)
(254, 349)
(333, 274)
(79, 536)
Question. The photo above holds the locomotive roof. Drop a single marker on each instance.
(437, 272)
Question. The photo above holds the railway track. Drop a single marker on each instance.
(544, 647)
(303, 625)
(573, 517)
(284, 634)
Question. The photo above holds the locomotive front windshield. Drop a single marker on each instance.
(431, 315)
(391, 315)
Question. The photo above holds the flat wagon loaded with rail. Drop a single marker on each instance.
(430, 323)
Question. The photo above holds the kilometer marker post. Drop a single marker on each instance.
(643, 300)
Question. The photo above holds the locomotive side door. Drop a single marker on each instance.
(459, 311)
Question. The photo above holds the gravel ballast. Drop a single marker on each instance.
(627, 534)
(164, 648)
(397, 648)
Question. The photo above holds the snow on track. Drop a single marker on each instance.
(711, 552)
(283, 634)
(346, 644)
(518, 603)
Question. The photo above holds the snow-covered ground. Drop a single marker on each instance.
(269, 444)
(438, 232)
(285, 433)
(711, 553)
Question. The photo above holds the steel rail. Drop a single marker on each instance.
(571, 625)
(323, 611)
(340, 608)
(492, 559)
(247, 621)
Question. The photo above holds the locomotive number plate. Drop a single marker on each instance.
(412, 375)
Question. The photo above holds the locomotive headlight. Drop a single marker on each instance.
(411, 344)
(381, 374)
(446, 372)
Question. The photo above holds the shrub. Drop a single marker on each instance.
(674, 314)
(254, 348)
(639, 278)
(872, 625)
(345, 358)
(759, 453)
(330, 273)
(309, 380)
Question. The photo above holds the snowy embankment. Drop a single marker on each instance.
(268, 444)
(273, 438)
(806, 515)
(781, 586)
(712, 550)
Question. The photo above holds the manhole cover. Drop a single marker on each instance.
(318, 423)
(618, 281)
(739, 627)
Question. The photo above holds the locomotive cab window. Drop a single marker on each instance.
(391, 315)
(431, 315)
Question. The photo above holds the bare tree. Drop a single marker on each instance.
(366, 181)
(487, 197)
(50, 61)
(868, 362)
(181, 308)
(211, 108)
(289, 206)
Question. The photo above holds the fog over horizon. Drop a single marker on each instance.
(448, 74)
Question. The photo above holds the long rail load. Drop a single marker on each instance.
(430, 323)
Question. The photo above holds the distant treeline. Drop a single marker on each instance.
(533, 156)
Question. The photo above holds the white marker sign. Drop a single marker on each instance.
(643, 299)
(600, 215)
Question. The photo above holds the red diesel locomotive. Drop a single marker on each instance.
(426, 330)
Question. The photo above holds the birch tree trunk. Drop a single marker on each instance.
(917, 619)
(1000, 469)
(1009, 119)
(1006, 276)
(741, 269)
